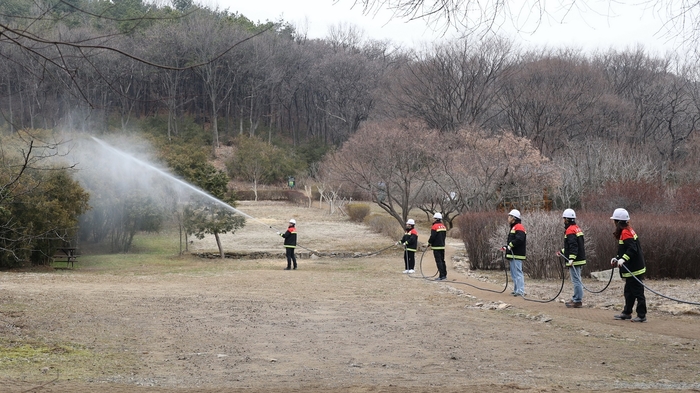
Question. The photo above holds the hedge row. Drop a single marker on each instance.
(668, 243)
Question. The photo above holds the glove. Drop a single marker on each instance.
(620, 262)
(613, 262)
(398, 243)
(558, 253)
(279, 233)
(570, 262)
(505, 248)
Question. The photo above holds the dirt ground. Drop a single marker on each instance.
(333, 325)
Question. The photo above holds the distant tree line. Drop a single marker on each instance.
(281, 84)
(181, 62)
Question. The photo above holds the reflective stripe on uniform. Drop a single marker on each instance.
(635, 273)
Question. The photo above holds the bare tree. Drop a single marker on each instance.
(344, 97)
(481, 172)
(681, 116)
(386, 160)
(552, 99)
(207, 37)
(345, 36)
(587, 165)
(166, 43)
(453, 85)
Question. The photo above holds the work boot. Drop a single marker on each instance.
(287, 268)
(623, 316)
(573, 304)
(639, 319)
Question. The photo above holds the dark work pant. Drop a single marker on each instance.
(409, 259)
(634, 290)
(291, 258)
(440, 262)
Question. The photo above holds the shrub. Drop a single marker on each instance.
(357, 211)
(634, 195)
(384, 225)
(686, 198)
(601, 246)
(669, 247)
(263, 195)
(297, 197)
(476, 228)
(485, 233)
(544, 238)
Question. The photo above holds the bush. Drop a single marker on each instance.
(263, 195)
(601, 246)
(384, 225)
(357, 211)
(297, 197)
(485, 233)
(645, 196)
(476, 230)
(686, 198)
(545, 234)
(670, 248)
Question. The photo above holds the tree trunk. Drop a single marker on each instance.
(255, 189)
(9, 105)
(214, 126)
(218, 244)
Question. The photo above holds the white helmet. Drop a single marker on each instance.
(569, 213)
(620, 214)
(437, 216)
(410, 222)
(515, 213)
(293, 221)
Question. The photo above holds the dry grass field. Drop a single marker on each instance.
(333, 325)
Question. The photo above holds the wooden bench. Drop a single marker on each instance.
(67, 255)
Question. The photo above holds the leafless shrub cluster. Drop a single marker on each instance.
(384, 225)
(670, 250)
(477, 229)
(485, 233)
(357, 211)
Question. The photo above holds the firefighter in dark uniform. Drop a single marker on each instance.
(575, 254)
(630, 260)
(410, 243)
(438, 232)
(515, 251)
(290, 243)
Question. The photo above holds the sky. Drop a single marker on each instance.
(608, 24)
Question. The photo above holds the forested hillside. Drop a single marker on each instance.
(472, 124)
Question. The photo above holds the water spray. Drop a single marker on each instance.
(179, 181)
(185, 184)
